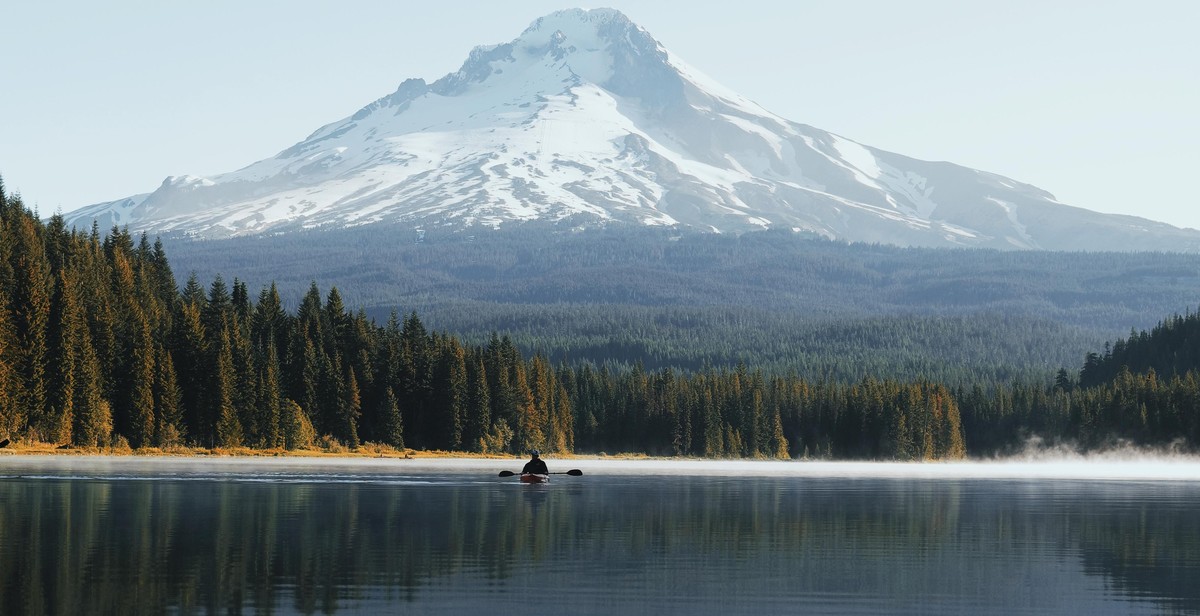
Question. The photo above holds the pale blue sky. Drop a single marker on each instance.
(1097, 102)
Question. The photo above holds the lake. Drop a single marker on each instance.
(152, 535)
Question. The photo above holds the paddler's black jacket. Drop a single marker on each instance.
(536, 466)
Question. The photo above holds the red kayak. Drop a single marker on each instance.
(534, 478)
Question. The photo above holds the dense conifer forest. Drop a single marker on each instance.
(773, 300)
(99, 347)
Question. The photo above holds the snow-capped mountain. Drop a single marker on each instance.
(586, 120)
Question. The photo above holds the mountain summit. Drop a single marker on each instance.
(586, 120)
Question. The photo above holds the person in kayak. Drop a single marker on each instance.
(536, 465)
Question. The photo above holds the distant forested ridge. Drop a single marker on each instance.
(773, 300)
(99, 347)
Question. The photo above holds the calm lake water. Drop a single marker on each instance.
(81, 536)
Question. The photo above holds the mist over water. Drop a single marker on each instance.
(1036, 462)
(1109, 534)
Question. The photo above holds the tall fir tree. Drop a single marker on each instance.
(30, 306)
(228, 432)
(127, 331)
(270, 401)
(351, 409)
(7, 373)
(68, 325)
(479, 413)
(142, 421)
(392, 422)
(192, 357)
(168, 401)
(93, 414)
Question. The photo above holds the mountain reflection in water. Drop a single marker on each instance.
(470, 542)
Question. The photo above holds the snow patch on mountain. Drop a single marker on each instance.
(585, 120)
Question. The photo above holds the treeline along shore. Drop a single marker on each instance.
(99, 348)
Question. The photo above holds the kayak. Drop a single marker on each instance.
(534, 478)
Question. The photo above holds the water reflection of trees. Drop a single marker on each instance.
(134, 547)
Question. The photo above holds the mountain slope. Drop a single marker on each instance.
(586, 120)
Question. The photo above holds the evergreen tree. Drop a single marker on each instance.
(164, 279)
(8, 377)
(30, 306)
(779, 442)
(479, 413)
(193, 293)
(308, 380)
(68, 325)
(351, 410)
(216, 310)
(270, 320)
(269, 402)
(451, 409)
(245, 384)
(195, 370)
(393, 424)
(126, 329)
(239, 301)
(168, 400)
(142, 418)
(296, 429)
(93, 414)
(228, 430)
(528, 430)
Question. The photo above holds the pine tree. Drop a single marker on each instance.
(269, 400)
(528, 424)
(270, 319)
(779, 442)
(218, 306)
(308, 379)
(337, 326)
(228, 427)
(193, 293)
(168, 400)
(164, 279)
(500, 392)
(126, 329)
(479, 413)
(245, 384)
(562, 421)
(30, 302)
(451, 410)
(296, 429)
(714, 441)
(393, 424)
(142, 421)
(93, 414)
(239, 301)
(194, 370)
(68, 325)
(351, 409)
(541, 394)
(7, 352)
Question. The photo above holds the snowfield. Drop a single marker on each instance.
(586, 119)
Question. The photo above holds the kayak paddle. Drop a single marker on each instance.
(573, 472)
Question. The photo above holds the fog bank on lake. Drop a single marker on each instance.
(136, 535)
(1131, 466)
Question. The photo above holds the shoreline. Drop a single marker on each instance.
(82, 465)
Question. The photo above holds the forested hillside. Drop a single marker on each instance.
(773, 300)
(98, 347)
(1171, 348)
